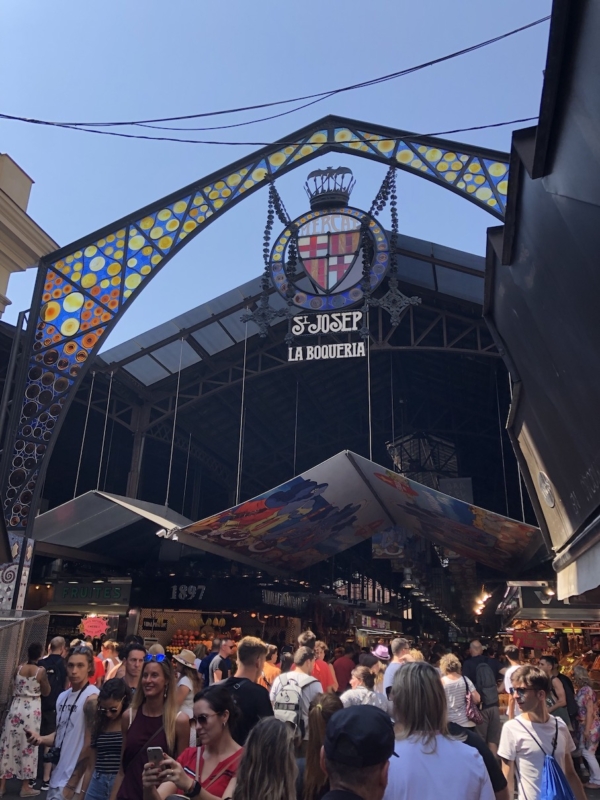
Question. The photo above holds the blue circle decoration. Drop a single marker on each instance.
(327, 300)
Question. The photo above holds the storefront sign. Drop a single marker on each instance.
(537, 641)
(186, 591)
(94, 626)
(375, 623)
(75, 594)
(317, 324)
(154, 623)
(284, 600)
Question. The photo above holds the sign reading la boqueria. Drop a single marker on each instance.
(333, 323)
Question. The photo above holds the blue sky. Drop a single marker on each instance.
(122, 60)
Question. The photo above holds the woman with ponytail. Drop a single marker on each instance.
(314, 780)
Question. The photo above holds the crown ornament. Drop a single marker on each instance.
(329, 188)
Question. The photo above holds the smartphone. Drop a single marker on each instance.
(156, 755)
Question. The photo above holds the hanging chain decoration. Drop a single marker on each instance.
(264, 313)
(393, 301)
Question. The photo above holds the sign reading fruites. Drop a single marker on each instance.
(318, 324)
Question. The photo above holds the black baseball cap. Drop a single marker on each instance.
(359, 736)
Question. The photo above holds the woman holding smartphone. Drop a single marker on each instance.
(153, 720)
(206, 772)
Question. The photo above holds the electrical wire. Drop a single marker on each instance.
(317, 97)
(252, 144)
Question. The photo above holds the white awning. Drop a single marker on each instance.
(581, 575)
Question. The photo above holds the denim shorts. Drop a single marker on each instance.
(100, 786)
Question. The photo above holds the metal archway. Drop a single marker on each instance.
(83, 289)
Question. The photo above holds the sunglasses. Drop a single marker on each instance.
(158, 657)
(202, 719)
(114, 710)
(519, 692)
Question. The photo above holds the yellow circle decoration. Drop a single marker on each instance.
(503, 187)
(133, 281)
(259, 174)
(146, 270)
(249, 184)
(450, 176)
(461, 184)
(479, 179)
(69, 327)
(474, 167)
(449, 156)
(422, 149)
(218, 203)
(91, 251)
(306, 150)
(404, 156)
(442, 166)
(105, 283)
(386, 145)
(147, 251)
(497, 169)
(234, 180)
(468, 177)
(344, 135)
(110, 237)
(68, 259)
(156, 233)
(136, 242)
(471, 188)
(156, 259)
(189, 226)
(456, 165)
(198, 199)
(76, 276)
(109, 251)
(146, 223)
(214, 194)
(73, 302)
(88, 280)
(433, 154)
(484, 193)
(492, 202)
(127, 293)
(318, 138)
(172, 225)
(50, 311)
(277, 159)
(97, 263)
(116, 281)
(114, 269)
(180, 206)
(225, 192)
(416, 163)
(219, 185)
(165, 242)
(118, 254)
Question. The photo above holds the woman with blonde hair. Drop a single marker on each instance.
(457, 686)
(268, 767)
(315, 781)
(587, 733)
(153, 720)
(425, 748)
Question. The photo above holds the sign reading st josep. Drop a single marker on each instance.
(332, 323)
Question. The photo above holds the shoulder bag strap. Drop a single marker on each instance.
(71, 710)
(198, 764)
(214, 778)
(555, 740)
(533, 737)
(147, 742)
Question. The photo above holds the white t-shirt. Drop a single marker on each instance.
(70, 733)
(310, 689)
(188, 704)
(453, 771)
(517, 744)
(456, 696)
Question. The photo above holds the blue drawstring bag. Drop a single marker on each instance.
(554, 782)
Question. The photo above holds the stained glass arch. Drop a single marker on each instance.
(83, 289)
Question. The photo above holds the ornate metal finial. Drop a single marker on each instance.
(329, 188)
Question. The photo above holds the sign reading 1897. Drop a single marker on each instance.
(317, 324)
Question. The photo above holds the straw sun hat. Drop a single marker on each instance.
(186, 657)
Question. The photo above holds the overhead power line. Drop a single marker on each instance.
(250, 144)
(313, 98)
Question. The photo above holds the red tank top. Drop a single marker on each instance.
(218, 781)
(134, 757)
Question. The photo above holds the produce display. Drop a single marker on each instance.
(189, 640)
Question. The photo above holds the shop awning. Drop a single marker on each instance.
(93, 515)
(346, 500)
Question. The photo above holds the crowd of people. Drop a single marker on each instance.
(246, 721)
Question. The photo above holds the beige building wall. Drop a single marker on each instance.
(22, 241)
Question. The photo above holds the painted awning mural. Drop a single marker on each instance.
(346, 500)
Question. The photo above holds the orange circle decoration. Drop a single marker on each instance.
(50, 311)
(81, 356)
(70, 348)
(106, 317)
(86, 315)
(89, 341)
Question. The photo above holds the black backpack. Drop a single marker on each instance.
(57, 673)
(485, 683)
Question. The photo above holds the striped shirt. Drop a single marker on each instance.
(108, 752)
(456, 695)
